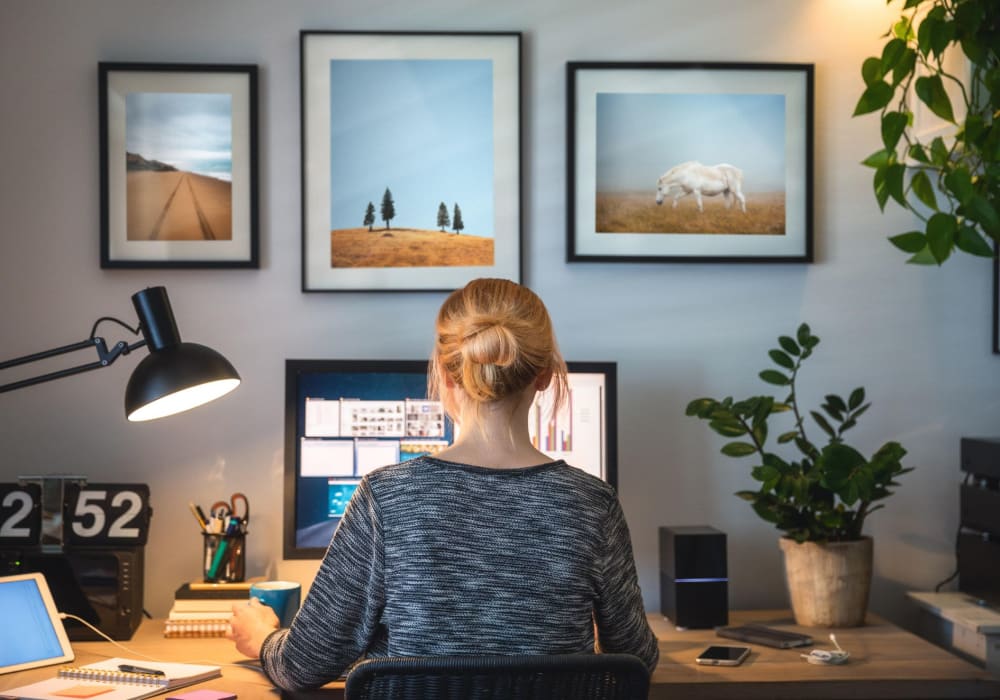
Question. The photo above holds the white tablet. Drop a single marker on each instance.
(31, 633)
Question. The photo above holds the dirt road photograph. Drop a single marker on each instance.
(178, 167)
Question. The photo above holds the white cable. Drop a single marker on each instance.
(63, 616)
(822, 657)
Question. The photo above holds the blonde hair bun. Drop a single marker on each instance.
(494, 340)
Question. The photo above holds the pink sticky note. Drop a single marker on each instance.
(204, 694)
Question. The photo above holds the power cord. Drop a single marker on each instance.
(822, 657)
(958, 535)
(64, 616)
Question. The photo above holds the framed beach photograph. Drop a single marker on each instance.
(689, 162)
(411, 159)
(178, 165)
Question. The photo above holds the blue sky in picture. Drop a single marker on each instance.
(190, 131)
(422, 128)
(641, 136)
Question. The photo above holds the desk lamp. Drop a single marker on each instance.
(174, 377)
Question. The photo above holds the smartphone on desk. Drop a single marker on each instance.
(719, 655)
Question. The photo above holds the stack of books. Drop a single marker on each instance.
(204, 609)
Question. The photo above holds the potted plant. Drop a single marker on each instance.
(820, 497)
(948, 177)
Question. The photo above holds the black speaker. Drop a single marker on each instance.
(981, 457)
(694, 579)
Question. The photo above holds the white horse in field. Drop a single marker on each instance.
(702, 180)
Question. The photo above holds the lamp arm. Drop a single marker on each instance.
(104, 355)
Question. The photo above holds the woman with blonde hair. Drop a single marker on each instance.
(487, 547)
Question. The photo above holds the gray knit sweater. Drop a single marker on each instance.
(438, 558)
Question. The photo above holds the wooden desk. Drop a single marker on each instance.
(886, 662)
(243, 677)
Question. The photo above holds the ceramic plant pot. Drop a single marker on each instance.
(828, 582)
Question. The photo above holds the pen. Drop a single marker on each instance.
(128, 668)
(196, 512)
(201, 514)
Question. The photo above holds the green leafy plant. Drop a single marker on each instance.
(952, 184)
(828, 491)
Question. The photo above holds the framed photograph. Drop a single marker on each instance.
(411, 159)
(178, 165)
(689, 162)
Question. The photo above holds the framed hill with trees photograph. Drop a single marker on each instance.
(411, 159)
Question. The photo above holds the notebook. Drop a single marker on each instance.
(104, 681)
(31, 633)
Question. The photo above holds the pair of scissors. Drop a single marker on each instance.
(231, 510)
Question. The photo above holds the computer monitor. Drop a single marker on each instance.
(344, 418)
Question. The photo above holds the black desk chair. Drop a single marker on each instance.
(556, 677)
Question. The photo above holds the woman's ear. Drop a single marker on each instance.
(543, 380)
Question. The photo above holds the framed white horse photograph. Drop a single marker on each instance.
(689, 162)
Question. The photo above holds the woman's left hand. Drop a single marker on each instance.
(251, 624)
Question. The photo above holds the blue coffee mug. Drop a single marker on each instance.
(281, 596)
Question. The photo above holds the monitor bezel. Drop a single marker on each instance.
(296, 367)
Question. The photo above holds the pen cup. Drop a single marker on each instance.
(225, 557)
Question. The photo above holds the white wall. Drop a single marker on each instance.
(918, 339)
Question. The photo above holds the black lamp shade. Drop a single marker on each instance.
(176, 378)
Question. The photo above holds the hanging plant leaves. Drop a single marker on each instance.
(894, 182)
(980, 210)
(941, 235)
(874, 98)
(921, 185)
(904, 67)
(931, 92)
(893, 124)
(911, 242)
(891, 53)
(881, 189)
(917, 153)
(960, 184)
(871, 70)
(939, 153)
(923, 257)
(969, 240)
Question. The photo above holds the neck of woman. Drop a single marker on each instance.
(497, 438)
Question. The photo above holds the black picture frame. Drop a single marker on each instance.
(634, 126)
(403, 137)
(178, 158)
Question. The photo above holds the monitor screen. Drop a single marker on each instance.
(344, 418)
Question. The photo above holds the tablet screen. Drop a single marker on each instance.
(32, 633)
